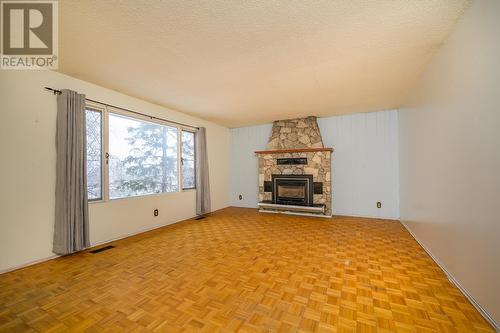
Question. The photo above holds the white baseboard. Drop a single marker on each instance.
(456, 282)
(92, 244)
(396, 219)
(140, 231)
(29, 263)
(239, 205)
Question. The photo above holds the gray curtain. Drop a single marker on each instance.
(71, 227)
(202, 181)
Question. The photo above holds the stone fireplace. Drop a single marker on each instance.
(295, 169)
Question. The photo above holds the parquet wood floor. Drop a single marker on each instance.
(239, 270)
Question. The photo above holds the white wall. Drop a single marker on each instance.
(450, 155)
(365, 163)
(244, 163)
(27, 169)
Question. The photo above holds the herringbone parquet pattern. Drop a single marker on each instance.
(239, 270)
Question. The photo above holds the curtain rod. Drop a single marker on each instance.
(58, 92)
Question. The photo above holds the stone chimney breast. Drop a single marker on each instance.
(295, 133)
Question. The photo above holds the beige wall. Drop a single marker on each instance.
(450, 155)
(27, 169)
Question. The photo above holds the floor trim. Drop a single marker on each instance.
(92, 245)
(396, 219)
(455, 282)
(29, 263)
(334, 213)
(140, 231)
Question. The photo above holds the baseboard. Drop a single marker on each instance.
(140, 231)
(396, 219)
(456, 282)
(335, 214)
(29, 263)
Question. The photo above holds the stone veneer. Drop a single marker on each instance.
(297, 134)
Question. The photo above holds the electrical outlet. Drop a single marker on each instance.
(155, 212)
(379, 204)
(240, 197)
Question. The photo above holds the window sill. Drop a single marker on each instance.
(139, 196)
(95, 201)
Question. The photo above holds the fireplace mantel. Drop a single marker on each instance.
(294, 150)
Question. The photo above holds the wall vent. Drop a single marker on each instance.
(105, 248)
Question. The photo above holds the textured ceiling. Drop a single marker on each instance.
(253, 61)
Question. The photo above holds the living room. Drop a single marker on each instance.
(250, 166)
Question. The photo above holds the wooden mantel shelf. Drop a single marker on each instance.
(295, 150)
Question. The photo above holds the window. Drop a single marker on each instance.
(131, 155)
(93, 124)
(188, 160)
(142, 157)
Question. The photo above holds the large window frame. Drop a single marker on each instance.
(105, 112)
(183, 159)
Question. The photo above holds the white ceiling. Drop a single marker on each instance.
(253, 61)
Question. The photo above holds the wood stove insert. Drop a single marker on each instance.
(293, 190)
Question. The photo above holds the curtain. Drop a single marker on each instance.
(202, 181)
(71, 227)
